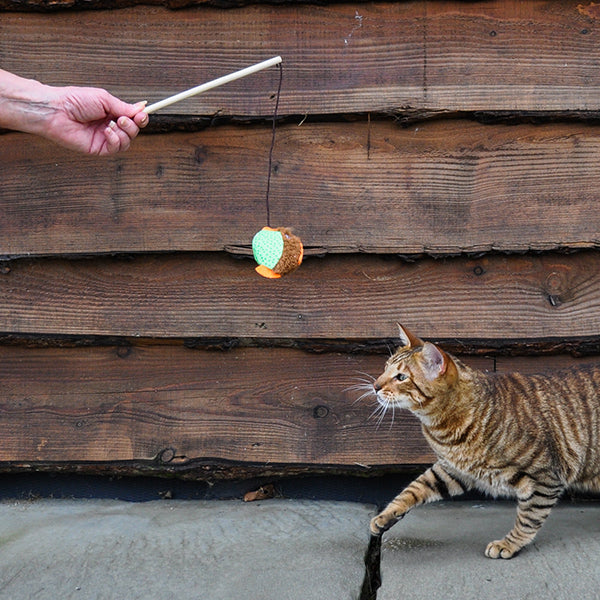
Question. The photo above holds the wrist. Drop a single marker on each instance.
(24, 103)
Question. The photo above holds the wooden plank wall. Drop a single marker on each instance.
(439, 159)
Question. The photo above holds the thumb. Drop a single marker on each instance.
(118, 108)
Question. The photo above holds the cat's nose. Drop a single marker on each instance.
(376, 387)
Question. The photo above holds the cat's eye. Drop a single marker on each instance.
(401, 377)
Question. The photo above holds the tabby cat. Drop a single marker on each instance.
(530, 437)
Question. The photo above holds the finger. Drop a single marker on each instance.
(113, 143)
(116, 139)
(141, 119)
(128, 126)
(114, 106)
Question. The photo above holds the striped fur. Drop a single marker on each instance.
(530, 437)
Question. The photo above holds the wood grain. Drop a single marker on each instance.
(165, 407)
(171, 405)
(340, 58)
(358, 189)
(440, 188)
(551, 297)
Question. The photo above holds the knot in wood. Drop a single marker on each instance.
(123, 351)
(320, 411)
(554, 283)
(166, 455)
(555, 288)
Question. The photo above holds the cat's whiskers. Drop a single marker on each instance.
(382, 405)
(380, 411)
(364, 379)
(382, 415)
(364, 385)
(367, 375)
(358, 386)
(363, 396)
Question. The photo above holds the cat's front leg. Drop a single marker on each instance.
(532, 510)
(436, 483)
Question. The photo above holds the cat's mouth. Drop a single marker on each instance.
(392, 399)
(388, 404)
(387, 401)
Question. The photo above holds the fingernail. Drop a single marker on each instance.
(112, 125)
(141, 105)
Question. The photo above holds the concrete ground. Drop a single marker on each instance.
(285, 550)
(436, 551)
(171, 549)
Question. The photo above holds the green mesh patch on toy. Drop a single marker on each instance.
(267, 247)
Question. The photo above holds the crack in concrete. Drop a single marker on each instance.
(372, 579)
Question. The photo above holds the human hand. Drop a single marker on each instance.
(91, 120)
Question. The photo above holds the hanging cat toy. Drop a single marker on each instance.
(276, 249)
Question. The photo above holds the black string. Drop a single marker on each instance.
(273, 145)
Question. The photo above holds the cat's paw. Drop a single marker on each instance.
(501, 549)
(380, 524)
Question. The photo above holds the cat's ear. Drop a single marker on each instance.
(407, 339)
(434, 361)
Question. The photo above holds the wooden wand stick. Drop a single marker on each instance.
(213, 84)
